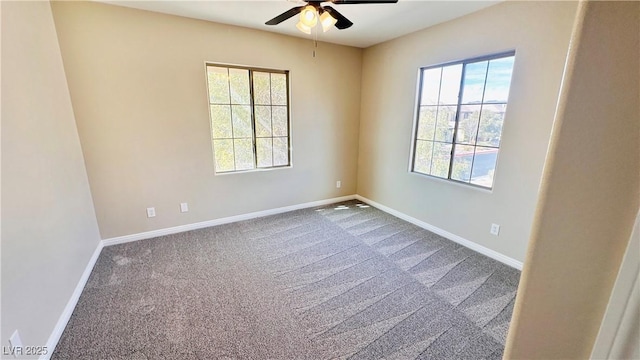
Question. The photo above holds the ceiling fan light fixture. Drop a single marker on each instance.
(309, 16)
(304, 28)
(313, 10)
(327, 21)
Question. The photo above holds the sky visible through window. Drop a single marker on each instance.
(497, 83)
(460, 118)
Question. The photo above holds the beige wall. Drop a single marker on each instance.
(138, 87)
(139, 94)
(590, 193)
(49, 229)
(387, 113)
(619, 333)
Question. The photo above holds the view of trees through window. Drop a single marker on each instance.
(249, 118)
(461, 109)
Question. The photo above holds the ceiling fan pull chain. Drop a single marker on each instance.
(315, 41)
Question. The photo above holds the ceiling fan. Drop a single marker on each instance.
(310, 13)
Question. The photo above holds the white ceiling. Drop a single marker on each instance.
(373, 23)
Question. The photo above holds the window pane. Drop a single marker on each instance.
(450, 86)
(241, 115)
(280, 151)
(441, 159)
(484, 166)
(473, 88)
(422, 161)
(278, 89)
(468, 108)
(498, 80)
(427, 122)
(223, 150)
(249, 112)
(221, 121)
(261, 88)
(491, 121)
(218, 85)
(239, 79)
(430, 86)
(244, 154)
(279, 118)
(462, 160)
(468, 124)
(264, 152)
(263, 121)
(446, 123)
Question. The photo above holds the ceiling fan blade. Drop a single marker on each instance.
(345, 2)
(285, 15)
(342, 22)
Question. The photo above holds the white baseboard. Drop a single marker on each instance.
(71, 304)
(462, 241)
(226, 220)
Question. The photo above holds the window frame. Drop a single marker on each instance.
(252, 105)
(458, 105)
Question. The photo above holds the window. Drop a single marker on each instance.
(249, 111)
(460, 113)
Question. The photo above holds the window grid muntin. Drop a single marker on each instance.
(459, 104)
(286, 106)
(233, 135)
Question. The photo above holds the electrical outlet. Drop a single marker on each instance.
(184, 207)
(338, 184)
(495, 229)
(151, 212)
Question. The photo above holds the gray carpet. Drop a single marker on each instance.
(331, 282)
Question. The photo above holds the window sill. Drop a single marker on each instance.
(252, 171)
(454, 182)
